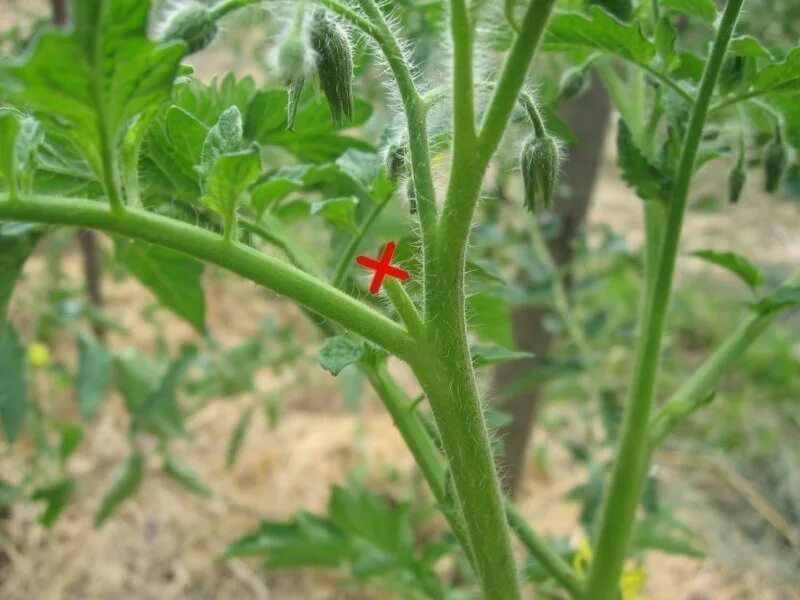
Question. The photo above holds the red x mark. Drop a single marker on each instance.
(382, 268)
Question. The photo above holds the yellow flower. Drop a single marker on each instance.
(582, 558)
(39, 355)
(632, 581)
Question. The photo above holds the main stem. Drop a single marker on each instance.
(619, 510)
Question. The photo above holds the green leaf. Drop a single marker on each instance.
(338, 352)
(785, 296)
(13, 399)
(315, 139)
(230, 177)
(92, 80)
(71, 437)
(17, 243)
(637, 171)
(56, 497)
(489, 317)
(599, 31)
(9, 128)
(484, 355)
(224, 138)
(306, 541)
(125, 484)
(665, 38)
(135, 377)
(237, 438)
(735, 263)
(705, 10)
(747, 45)
(160, 412)
(339, 212)
(185, 475)
(175, 279)
(94, 371)
(781, 77)
(666, 535)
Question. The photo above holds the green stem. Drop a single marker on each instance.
(199, 243)
(449, 384)
(355, 243)
(696, 390)
(529, 104)
(540, 549)
(405, 308)
(228, 6)
(464, 134)
(619, 509)
(513, 76)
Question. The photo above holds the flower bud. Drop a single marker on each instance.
(573, 83)
(194, 24)
(334, 57)
(396, 161)
(736, 180)
(776, 159)
(539, 162)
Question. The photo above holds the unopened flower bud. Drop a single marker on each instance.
(293, 67)
(776, 159)
(334, 57)
(540, 164)
(736, 180)
(194, 24)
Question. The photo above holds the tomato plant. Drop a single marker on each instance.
(103, 128)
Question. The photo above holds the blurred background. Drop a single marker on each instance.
(268, 432)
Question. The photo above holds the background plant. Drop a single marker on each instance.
(173, 152)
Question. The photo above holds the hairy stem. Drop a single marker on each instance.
(201, 244)
(619, 509)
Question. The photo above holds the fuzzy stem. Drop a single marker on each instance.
(228, 6)
(405, 308)
(619, 509)
(203, 245)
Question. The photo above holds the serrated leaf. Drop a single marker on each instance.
(135, 377)
(735, 263)
(237, 438)
(185, 475)
(339, 352)
(705, 10)
(780, 77)
(125, 484)
(485, 354)
(56, 497)
(230, 177)
(637, 171)
(224, 138)
(306, 541)
(17, 243)
(598, 31)
(339, 212)
(94, 371)
(92, 80)
(160, 412)
(175, 279)
(747, 45)
(13, 398)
